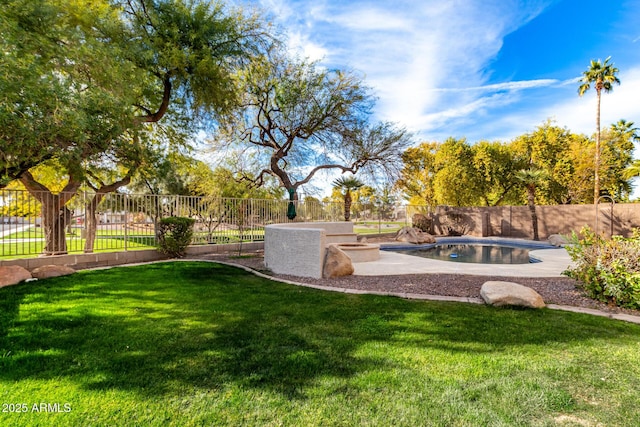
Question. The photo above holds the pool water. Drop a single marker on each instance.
(473, 253)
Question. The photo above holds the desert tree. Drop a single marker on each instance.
(297, 119)
(99, 74)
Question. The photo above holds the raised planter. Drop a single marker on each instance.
(360, 252)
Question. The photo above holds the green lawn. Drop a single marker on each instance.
(34, 248)
(32, 242)
(195, 343)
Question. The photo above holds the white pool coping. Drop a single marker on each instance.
(553, 263)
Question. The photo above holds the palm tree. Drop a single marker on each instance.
(348, 184)
(632, 170)
(532, 178)
(603, 76)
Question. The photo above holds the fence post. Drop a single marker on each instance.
(126, 218)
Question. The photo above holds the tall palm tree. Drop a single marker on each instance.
(348, 184)
(602, 76)
(532, 178)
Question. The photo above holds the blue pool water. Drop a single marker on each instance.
(475, 252)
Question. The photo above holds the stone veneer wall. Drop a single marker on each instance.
(515, 221)
(299, 248)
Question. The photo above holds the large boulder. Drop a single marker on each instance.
(336, 263)
(13, 274)
(421, 222)
(558, 240)
(413, 235)
(46, 271)
(508, 293)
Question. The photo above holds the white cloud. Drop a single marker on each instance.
(507, 86)
(426, 61)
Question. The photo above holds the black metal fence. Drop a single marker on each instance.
(33, 224)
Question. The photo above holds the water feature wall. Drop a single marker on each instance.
(298, 248)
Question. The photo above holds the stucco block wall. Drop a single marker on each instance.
(515, 221)
(299, 249)
(104, 259)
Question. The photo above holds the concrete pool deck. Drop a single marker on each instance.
(554, 262)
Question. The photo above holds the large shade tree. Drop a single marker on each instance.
(298, 119)
(602, 75)
(114, 69)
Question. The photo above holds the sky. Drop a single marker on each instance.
(478, 69)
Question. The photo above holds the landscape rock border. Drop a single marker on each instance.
(14, 274)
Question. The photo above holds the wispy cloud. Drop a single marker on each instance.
(507, 86)
(410, 50)
(427, 62)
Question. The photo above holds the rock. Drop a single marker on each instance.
(558, 240)
(46, 271)
(508, 293)
(421, 222)
(413, 235)
(13, 274)
(336, 263)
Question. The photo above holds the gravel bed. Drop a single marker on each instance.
(554, 290)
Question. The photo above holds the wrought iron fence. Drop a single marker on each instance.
(43, 223)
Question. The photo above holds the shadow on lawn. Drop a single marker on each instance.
(163, 328)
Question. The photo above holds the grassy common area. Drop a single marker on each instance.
(196, 343)
(31, 243)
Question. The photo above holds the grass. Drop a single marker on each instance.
(375, 227)
(76, 245)
(31, 242)
(195, 343)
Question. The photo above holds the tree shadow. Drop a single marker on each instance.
(208, 326)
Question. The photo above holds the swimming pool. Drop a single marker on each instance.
(473, 250)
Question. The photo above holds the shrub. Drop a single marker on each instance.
(609, 270)
(174, 235)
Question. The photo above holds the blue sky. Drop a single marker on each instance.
(480, 69)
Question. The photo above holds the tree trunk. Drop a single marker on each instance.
(531, 196)
(91, 209)
(91, 222)
(55, 215)
(596, 176)
(347, 206)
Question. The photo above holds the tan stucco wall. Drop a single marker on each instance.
(515, 221)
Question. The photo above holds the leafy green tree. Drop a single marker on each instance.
(457, 173)
(603, 76)
(58, 95)
(495, 165)
(385, 201)
(548, 148)
(618, 142)
(454, 181)
(114, 70)
(532, 178)
(298, 119)
(347, 184)
(418, 172)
